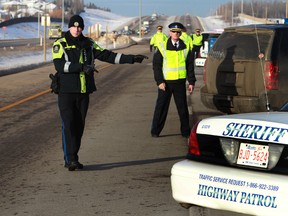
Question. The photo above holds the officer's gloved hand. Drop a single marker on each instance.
(89, 69)
(139, 58)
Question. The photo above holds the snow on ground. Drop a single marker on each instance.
(91, 17)
(213, 23)
(104, 19)
(34, 30)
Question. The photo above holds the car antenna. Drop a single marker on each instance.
(261, 57)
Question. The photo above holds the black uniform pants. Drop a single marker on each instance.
(178, 90)
(73, 109)
(196, 51)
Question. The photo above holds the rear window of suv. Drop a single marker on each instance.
(241, 45)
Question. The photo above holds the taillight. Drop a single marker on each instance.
(204, 71)
(193, 142)
(272, 75)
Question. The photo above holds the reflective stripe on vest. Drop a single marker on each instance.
(174, 63)
(82, 74)
(67, 64)
(83, 82)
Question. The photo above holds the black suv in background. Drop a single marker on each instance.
(247, 69)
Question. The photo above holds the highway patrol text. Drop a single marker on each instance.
(237, 196)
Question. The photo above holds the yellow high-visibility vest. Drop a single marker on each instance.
(187, 40)
(157, 38)
(197, 40)
(66, 66)
(174, 63)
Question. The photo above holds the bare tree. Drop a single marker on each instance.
(257, 8)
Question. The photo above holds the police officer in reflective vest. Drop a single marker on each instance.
(158, 37)
(198, 42)
(173, 65)
(73, 58)
(186, 38)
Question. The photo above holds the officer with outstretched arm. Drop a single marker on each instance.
(73, 58)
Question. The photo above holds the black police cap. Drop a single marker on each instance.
(76, 21)
(176, 26)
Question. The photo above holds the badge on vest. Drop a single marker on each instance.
(56, 48)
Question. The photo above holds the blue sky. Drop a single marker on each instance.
(201, 8)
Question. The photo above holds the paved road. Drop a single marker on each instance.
(127, 172)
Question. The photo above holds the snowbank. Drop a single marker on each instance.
(91, 17)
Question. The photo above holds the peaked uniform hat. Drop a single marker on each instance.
(76, 21)
(176, 26)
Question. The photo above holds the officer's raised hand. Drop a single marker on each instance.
(139, 58)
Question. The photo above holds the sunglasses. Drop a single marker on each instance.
(176, 32)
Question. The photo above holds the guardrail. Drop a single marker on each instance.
(256, 19)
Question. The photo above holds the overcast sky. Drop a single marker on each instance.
(201, 8)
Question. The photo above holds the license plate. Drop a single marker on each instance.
(253, 155)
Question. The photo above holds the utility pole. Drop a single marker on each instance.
(45, 26)
(45, 21)
(232, 13)
(38, 24)
(63, 11)
(44, 47)
(286, 8)
(226, 12)
(266, 11)
(140, 17)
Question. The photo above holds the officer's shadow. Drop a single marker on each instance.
(107, 166)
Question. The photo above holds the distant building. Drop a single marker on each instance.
(21, 8)
(24, 8)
